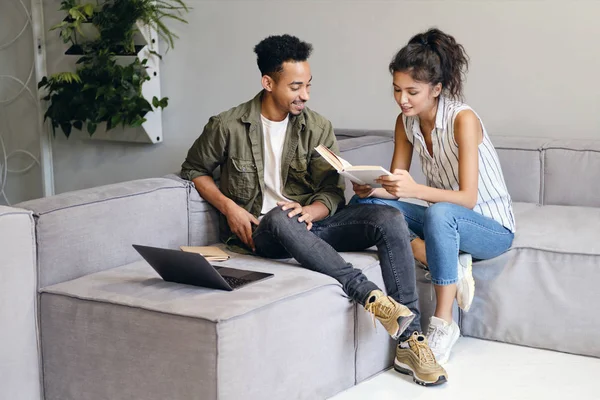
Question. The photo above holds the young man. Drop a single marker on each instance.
(278, 198)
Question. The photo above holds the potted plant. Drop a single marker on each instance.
(102, 90)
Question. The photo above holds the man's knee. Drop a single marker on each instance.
(276, 219)
(391, 219)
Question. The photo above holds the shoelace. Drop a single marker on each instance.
(435, 334)
(424, 352)
(378, 307)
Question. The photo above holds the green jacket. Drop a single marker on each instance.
(233, 141)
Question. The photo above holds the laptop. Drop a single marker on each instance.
(193, 269)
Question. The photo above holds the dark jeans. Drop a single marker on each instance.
(354, 228)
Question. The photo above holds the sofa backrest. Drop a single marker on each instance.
(91, 230)
(19, 351)
(203, 218)
(522, 166)
(551, 171)
(536, 170)
(572, 172)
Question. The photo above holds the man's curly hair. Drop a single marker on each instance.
(273, 51)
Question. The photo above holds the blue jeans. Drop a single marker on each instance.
(448, 229)
(353, 228)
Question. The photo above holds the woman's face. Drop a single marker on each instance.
(414, 97)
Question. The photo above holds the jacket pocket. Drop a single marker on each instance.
(243, 179)
(299, 181)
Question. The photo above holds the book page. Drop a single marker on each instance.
(365, 175)
(334, 160)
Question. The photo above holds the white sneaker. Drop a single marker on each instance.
(465, 286)
(441, 337)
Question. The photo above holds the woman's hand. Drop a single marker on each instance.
(400, 184)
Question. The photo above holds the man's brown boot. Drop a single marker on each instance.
(414, 357)
(394, 316)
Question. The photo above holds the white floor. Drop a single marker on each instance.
(480, 369)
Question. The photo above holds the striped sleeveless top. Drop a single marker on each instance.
(441, 170)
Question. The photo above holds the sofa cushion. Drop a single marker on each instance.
(572, 170)
(558, 229)
(82, 232)
(223, 345)
(542, 292)
(138, 285)
(521, 161)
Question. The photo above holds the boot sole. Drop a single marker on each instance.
(406, 370)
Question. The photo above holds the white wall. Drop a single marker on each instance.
(18, 112)
(534, 66)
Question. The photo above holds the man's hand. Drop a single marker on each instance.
(400, 184)
(240, 222)
(362, 191)
(296, 208)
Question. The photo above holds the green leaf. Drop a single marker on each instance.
(78, 125)
(66, 128)
(155, 102)
(164, 102)
(88, 9)
(91, 127)
(59, 26)
(114, 121)
(138, 122)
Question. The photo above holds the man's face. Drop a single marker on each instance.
(291, 88)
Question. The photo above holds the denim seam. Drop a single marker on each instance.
(462, 219)
(443, 282)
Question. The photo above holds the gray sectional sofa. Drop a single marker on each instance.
(109, 328)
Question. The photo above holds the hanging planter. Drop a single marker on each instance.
(105, 90)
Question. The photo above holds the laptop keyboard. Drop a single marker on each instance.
(235, 282)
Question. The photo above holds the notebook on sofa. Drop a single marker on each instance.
(211, 253)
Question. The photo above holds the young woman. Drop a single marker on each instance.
(470, 211)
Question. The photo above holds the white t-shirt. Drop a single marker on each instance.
(274, 136)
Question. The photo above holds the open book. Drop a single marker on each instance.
(211, 253)
(361, 174)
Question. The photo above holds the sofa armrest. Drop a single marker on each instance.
(19, 349)
(90, 230)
